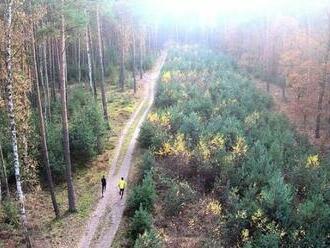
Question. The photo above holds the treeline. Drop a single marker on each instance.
(292, 51)
(58, 61)
(227, 171)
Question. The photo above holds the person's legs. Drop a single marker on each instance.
(103, 190)
(121, 193)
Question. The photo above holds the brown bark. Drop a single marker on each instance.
(42, 130)
(322, 84)
(134, 62)
(66, 141)
(141, 57)
(102, 83)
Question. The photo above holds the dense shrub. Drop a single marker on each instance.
(149, 239)
(55, 149)
(10, 213)
(151, 136)
(142, 195)
(147, 164)
(87, 131)
(140, 222)
(177, 196)
(251, 158)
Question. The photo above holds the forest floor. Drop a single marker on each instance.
(105, 219)
(66, 231)
(127, 111)
(287, 107)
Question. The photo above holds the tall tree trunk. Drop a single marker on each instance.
(58, 60)
(53, 54)
(322, 84)
(79, 62)
(11, 116)
(43, 82)
(42, 129)
(103, 95)
(66, 141)
(93, 59)
(44, 46)
(122, 68)
(134, 66)
(3, 173)
(89, 61)
(141, 57)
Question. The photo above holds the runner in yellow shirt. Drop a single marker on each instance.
(122, 185)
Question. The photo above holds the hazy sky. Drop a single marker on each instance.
(208, 12)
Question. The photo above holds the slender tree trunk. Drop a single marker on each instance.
(58, 60)
(93, 59)
(66, 142)
(103, 95)
(44, 46)
(134, 63)
(52, 54)
(322, 84)
(141, 57)
(79, 62)
(42, 81)
(3, 171)
(11, 116)
(89, 61)
(122, 68)
(43, 139)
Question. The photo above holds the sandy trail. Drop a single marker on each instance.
(102, 226)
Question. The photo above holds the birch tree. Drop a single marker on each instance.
(11, 116)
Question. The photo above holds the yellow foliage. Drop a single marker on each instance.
(240, 147)
(163, 120)
(313, 161)
(245, 235)
(214, 207)
(178, 147)
(207, 147)
(166, 77)
(251, 119)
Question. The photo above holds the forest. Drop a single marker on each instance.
(217, 114)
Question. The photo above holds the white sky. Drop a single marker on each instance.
(209, 11)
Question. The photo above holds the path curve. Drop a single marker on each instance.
(102, 226)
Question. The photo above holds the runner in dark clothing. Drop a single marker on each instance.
(104, 185)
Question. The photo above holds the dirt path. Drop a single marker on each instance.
(101, 228)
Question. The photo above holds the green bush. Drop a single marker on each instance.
(55, 150)
(148, 62)
(261, 168)
(87, 132)
(177, 196)
(149, 239)
(168, 95)
(147, 164)
(11, 213)
(143, 195)
(151, 136)
(140, 223)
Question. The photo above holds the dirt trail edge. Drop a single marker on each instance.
(102, 226)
